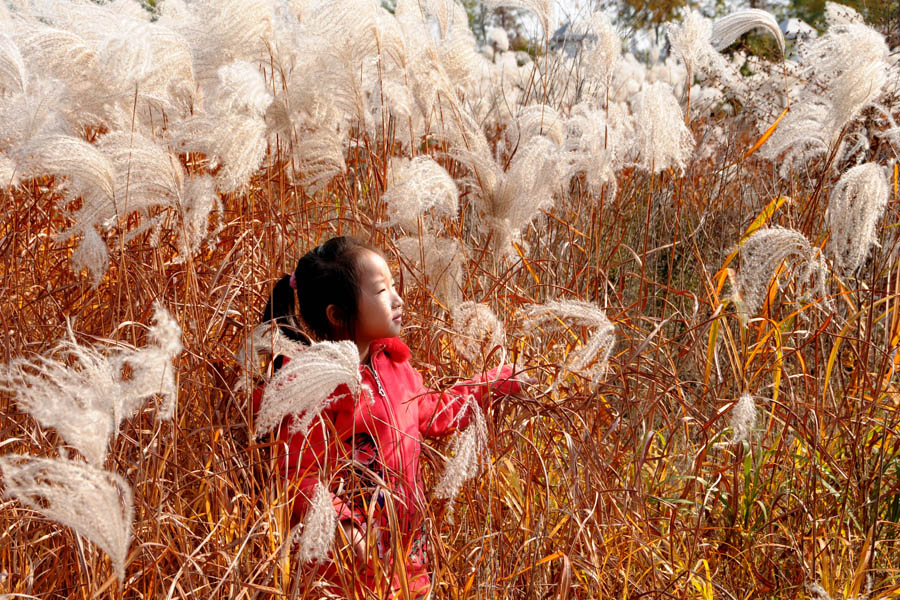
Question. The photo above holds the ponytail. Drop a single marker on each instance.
(282, 309)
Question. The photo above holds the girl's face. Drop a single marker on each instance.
(380, 306)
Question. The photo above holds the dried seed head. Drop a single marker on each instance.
(469, 451)
(743, 419)
(303, 387)
(762, 253)
(316, 534)
(592, 359)
(854, 209)
(416, 187)
(95, 503)
(476, 330)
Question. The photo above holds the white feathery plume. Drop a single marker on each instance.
(854, 209)
(318, 158)
(475, 330)
(85, 169)
(9, 173)
(13, 76)
(303, 387)
(438, 264)
(844, 71)
(497, 36)
(743, 419)
(199, 198)
(590, 360)
(663, 140)
(469, 452)
(241, 89)
(540, 119)
(152, 371)
(81, 392)
(762, 253)
(603, 48)
(91, 255)
(597, 146)
(841, 14)
(730, 27)
(417, 186)
(316, 534)
(95, 503)
(220, 32)
(692, 41)
(234, 144)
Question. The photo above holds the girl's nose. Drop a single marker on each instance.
(398, 301)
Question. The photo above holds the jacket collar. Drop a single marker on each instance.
(393, 348)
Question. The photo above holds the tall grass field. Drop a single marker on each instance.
(694, 255)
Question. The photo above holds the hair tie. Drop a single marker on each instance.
(293, 281)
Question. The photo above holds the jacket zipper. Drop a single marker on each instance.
(377, 381)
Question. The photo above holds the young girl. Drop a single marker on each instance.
(370, 445)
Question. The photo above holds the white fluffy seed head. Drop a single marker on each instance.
(476, 330)
(743, 419)
(663, 140)
(303, 387)
(469, 451)
(81, 391)
(591, 360)
(762, 253)
(854, 209)
(436, 263)
(95, 503)
(417, 187)
(316, 534)
(497, 36)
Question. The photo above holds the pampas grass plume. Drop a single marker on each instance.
(468, 453)
(743, 419)
(475, 330)
(316, 533)
(303, 387)
(854, 209)
(95, 503)
(416, 187)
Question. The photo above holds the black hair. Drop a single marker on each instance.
(326, 275)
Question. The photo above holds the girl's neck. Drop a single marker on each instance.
(364, 352)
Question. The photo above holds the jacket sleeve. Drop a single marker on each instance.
(441, 413)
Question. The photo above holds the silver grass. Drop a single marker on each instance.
(198, 200)
(601, 55)
(91, 255)
(316, 533)
(597, 145)
(730, 27)
(220, 32)
(743, 419)
(13, 76)
(318, 158)
(81, 390)
(663, 140)
(540, 119)
(435, 263)
(234, 144)
(94, 503)
(9, 172)
(497, 36)
(762, 253)
(855, 206)
(591, 360)
(241, 89)
(303, 387)
(844, 71)
(416, 187)
(85, 170)
(469, 452)
(476, 329)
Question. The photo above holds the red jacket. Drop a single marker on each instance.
(382, 431)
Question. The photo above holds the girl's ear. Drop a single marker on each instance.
(335, 316)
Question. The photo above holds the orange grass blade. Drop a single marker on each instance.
(767, 134)
(547, 558)
(526, 263)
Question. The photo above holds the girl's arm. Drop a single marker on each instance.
(441, 413)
